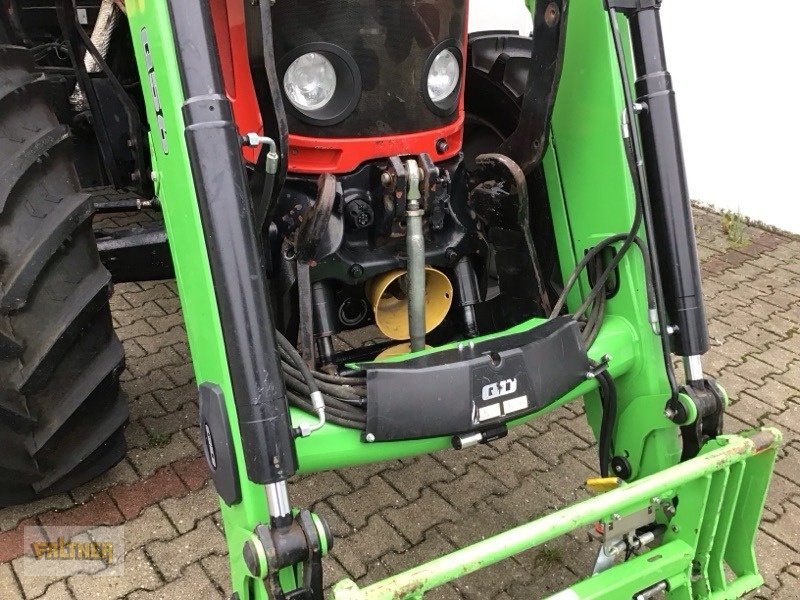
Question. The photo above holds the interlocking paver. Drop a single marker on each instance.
(475, 485)
(151, 525)
(8, 583)
(172, 556)
(358, 505)
(218, 569)
(368, 544)
(57, 591)
(788, 463)
(310, 489)
(413, 520)
(417, 474)
(139, 574)
(191, 585)
(146, 460)
(185, 515)
(390, 516)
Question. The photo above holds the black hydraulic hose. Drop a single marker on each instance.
(286, 346)
(354, 394)
(339, 379)
(600, 283)
(301, 383)
(301, 387)
(608, 398)
(351, 421)
(595, 319)
(587, 258)
(343, 392)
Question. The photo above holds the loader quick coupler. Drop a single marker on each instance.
(295, 541)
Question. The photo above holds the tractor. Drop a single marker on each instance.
(504, 216)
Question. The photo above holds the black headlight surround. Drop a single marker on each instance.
(348, 84)
(446, 107)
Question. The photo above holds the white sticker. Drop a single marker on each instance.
(489, 412)
(515, 404)
(83, 18)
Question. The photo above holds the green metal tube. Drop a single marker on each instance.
(414, 582)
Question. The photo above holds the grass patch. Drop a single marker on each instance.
(158, 440)
(549, 556)
(733, 226)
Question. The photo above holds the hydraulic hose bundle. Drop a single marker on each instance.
(343, 397)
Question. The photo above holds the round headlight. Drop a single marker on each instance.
(443, 76)
(310, 81)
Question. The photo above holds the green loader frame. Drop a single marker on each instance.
(708, 507)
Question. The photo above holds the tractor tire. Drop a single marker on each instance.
(496, 81)
(61, 415)
(497, 73)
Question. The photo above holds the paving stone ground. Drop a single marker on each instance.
(389, 516)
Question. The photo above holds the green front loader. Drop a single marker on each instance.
(505, 216)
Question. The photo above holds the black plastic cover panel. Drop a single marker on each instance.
(218, 443)
(475, 386)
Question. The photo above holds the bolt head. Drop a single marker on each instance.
(356, 271)
(370, 437)
(386, 179)
(442, 146)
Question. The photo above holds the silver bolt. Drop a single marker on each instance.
(670, 413)
(616, 516)
(590, 375)
(655, 500)
(386, 179)
(606, 358)
(370, 437)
